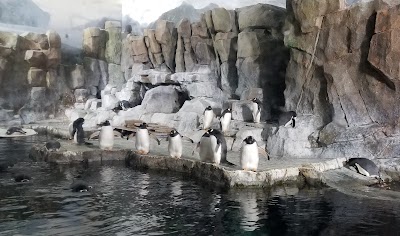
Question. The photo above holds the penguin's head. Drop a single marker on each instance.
(249, 140)
(293, 113)
(78, 122)
(207, 133)
(173, 133)
(143, 125)
(229, 110)
(105, 123)
(209, 108)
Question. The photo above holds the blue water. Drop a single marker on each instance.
(125, 201)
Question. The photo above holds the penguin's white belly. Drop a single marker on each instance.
(76, 137)
(106, 138)
(225, 121)
(175, 146)
(216, 151)
(249, 157)
(256, 113)
(206, 152)
(362, 170)
(143, 141)
(208, 118)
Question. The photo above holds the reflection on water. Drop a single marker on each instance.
(130, 202)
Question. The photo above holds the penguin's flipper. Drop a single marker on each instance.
(130, 136)
(289, 123)
(95, 134)
(167, 138)
(195, 148)
(293, 122)
(187, 139)
(155, 138)
(218, 145)
(116, 133)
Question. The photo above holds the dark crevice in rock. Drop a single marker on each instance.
(366, 107)
(348, 40)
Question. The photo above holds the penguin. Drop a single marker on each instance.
(12, 130)
(225, 119)
(5, 165)
(288, 118)
(125, 105)
(365, 167)
(220, 140)
(80, 186)
(106, 136)
(124, 133)
(206, 151)
(22, 178)
(249, 157)
(77, 132)
(53, 146)
(208, 117)
(256, 110)
(174, 144)
(143, 139)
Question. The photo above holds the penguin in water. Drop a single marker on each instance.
(249, 157)
(77, 132)
(143, 139)
(208, 117)
(4, 165)
(106, 136)
(12, 130)
(175, 143)
(288, 118)
(22, 178)
(80, 186)
(53, 146)
(365, 167)
(256, 110)
(225, 119)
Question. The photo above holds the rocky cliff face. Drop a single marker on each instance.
(23, 12)
(342, 79)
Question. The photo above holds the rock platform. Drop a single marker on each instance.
(270, 172)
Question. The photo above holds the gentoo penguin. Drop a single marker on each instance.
(125, 105)
(364, 166)
(288, 118)
(175, 144)
(249, 157)
(12, 130)
(53, 146)
(206, 151)
(225, 120)
(80, 186)
(77, 132)
(106, 136)
(224, 149)
(22, 178)
(256, 110)
(143, 139)
(208, 117)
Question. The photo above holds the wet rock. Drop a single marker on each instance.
(109, 101)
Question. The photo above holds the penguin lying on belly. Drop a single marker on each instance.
(364, 167)
(143, 139)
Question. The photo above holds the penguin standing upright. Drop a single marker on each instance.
(225, 120)
(249, 157)
(143, 139)
(77, 132)
(106, 136)
(208, 117)
(256, 110)
(175, 144)
(213, 147)
(288, 118)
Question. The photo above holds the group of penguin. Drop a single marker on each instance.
(212, 144)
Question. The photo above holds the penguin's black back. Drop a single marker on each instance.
(366, 164)
(79, 185)
(220, 139)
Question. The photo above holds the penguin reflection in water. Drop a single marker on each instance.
(143, 139)
(249, 157)
(105, 135)
(175, 144)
